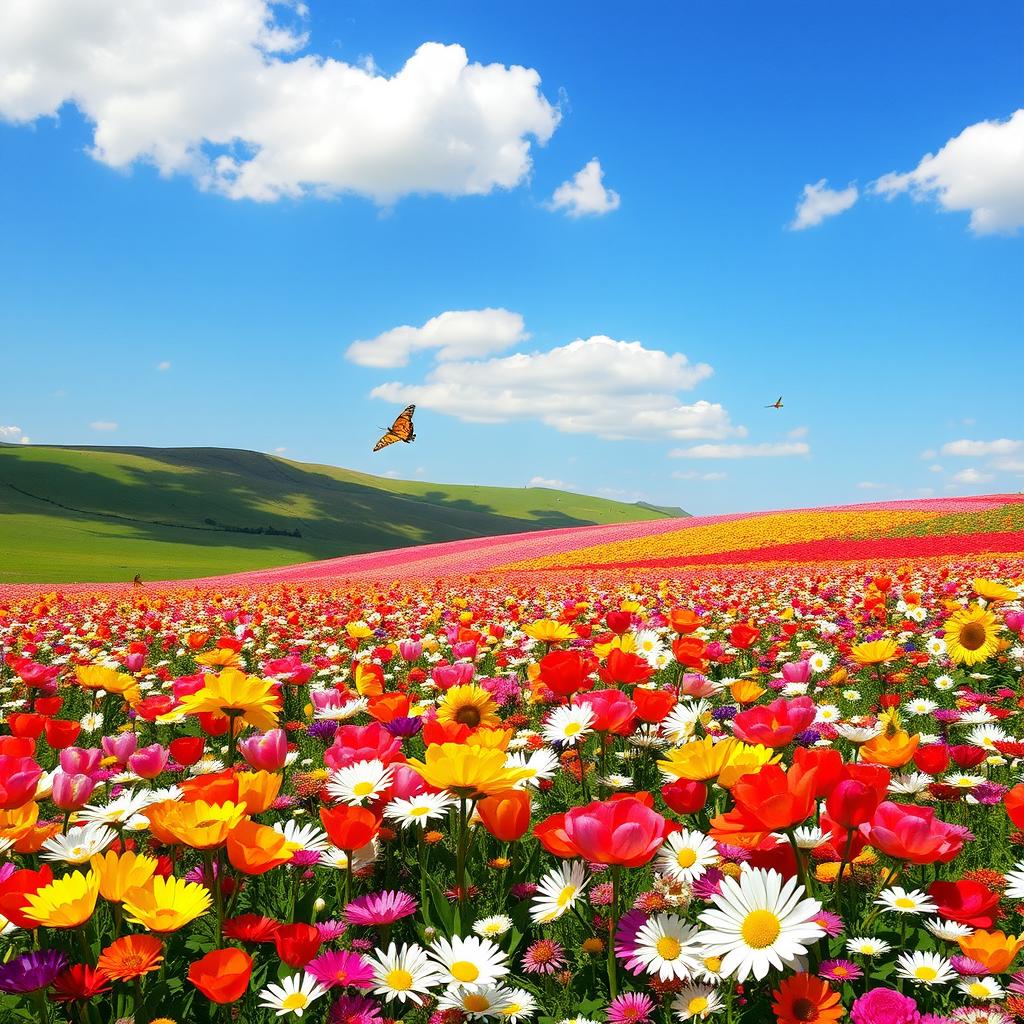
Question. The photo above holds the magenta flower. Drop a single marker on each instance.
(545, 956)
(630, 1008)
(354, 1010)
(341, 969)
(839, 970)
(884, 1006)
(380, 908)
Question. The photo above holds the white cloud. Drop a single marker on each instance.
(223, 93)
(456, 334)
(1009, 465)
(871, 485)
(8, 432)
(279, 451)
(971, 476)
(741, 451)
(974, 449)
(797, 432)
(164, 365)
(552, 485)
(614, 389)
(585, 194)
(692, 474)
(103, 425)
(24, 440)
(819, 202)
(936, 468)
(980, 170)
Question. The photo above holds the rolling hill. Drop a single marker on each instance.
(106, 513)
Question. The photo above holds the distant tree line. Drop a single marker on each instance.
(265, 531)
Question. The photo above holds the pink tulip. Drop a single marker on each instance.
(1014, 621)
(121, 746)
(407, 783)
(410, 649)
(465, 649)
(149, 762)
(447, 676)
(797, 672)
(134, 662)
(80, 760)
(696, 685)
(72, 792)
(267, 751)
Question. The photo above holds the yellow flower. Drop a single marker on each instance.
(468, 705)
(118, 874)
(875, 652)
(745, 691)
(166, 904)
(972, 635)
(66, 902)
(358, 630)
(258, 790)
(494, 739)
(703, 760)
(220, 657)
(232, 693)
(625, 643)
(549, 631)
(197, 823)
(990, 590)
(892, 748)
(467, 771)
(98, 677)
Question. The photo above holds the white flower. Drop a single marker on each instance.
(477, 1001)
(921, 706)
(697, 1002)
(925, 968)
(557, 891)
(520, 1005)
(1015, 882)
(820, 662)
(293, 995)
(858, 733)
(759, 922)
(541, 764)
(471, 962)
(910, 784)
(903, 902)
(866, 946)
(308, 835)
(936, 646)
(982, 988)
(986, 736)
(79, 844)
(948, 931)
(497, 924)
(359, 782)
(418, 810)
(666, 946)
(404, 973)
(568, 724)
(687, 855)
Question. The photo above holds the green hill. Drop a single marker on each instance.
(104, 514)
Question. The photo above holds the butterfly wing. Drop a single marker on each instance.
(389, 438)
(402, 427)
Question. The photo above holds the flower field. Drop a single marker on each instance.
(746, 769)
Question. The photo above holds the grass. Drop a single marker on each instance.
(104, 514)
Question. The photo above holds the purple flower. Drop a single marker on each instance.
(723, 714)
(354, 1010)
(709, 884)
(379, 908)
(625, 939)
(323, 730)
(31, 972)
(404, 727)
(341, 968)
(839, 970)
(885, 1006)
(808, 737)
(630, 1008)
(966, 967)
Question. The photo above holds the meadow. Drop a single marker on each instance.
(742, 768)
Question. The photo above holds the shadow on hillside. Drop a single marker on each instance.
(213, 498)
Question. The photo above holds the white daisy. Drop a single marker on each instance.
(118, 810)
(858, 733)
(759, 922)
(948, 931)
(568, 724)
(91, 721)
(471, 962)
(866, 946)
(647, 737)
(492, 926)
(666, 945)
(557, 891)
(294, 995)
(477, 1002)
(925, 968)
(307, 835)
(357, 783)
(985, 989)
(520, 1005)
(418, 810)
(986, 736)
(943, 683)
(901, 901)
(332, 857)
(808, 837)
(79, 843)
(910, 784)
(404, 973)
(680, 725)
(1015, 882)
(828, 713)
(687, 855)
(921, 706)
(820, 662)
(696, 1002)
(541, 764)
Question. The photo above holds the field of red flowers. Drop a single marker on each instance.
(741, 769)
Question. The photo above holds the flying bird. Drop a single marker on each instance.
(777, 404)
(137, 580)
(401, 430)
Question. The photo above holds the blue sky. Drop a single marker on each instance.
(238, 205)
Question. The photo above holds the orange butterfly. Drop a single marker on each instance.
(401, 430)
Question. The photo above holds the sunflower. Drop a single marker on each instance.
(467, 705)
(232, 693)
(972, 635)
(990, 590)
(803, 997)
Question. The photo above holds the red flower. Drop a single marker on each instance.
(251, 928)
(623, 667)
(613, 710)
(855, 798)
(625, 832)
(354, 743)
(15, 888)
(772, 800)
(187, 750)
(1013, 801)
(80, 981)
(567, 672)
(506, 815)
(743, 636)
(775, 724)
(653, 705)
(967, 755)
(19, 777)
(349, 828)
(619, 622)
(26, 724)
(222, 975)
(551, 835)
(690, 652)
(297, 944)
(61, 733)
(912, 833)
(684, 796)
(932, 759)
(970, 903)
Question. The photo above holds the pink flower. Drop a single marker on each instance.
(380, 908)
(121, 746)
(80, 761)
(775, 724)
(72, 792)
(884, 1006)
(266, 751)
(341, 968)
(149, 762)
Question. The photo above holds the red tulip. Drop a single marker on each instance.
(349, 828)
(567, 672)
(297, 944)
(684, 796)
(26, 724)
(17, 746)
(61, 733)
(775, 724)
(19, 777)
(613, 711)
(967, 756)
(551, 835)
(772, 800)
(653, 705)
(970, 903)
(15, 888)
(187, 750)
(690, 652)
(1013, 801)
(932, 759)
(49, 705)
(743, 636)
(625, 832)
(222, 975)
(618, 622)
(623, 667)
(912, 833)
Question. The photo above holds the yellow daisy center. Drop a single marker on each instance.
(905, 903)
(294, 1001)
(978, 990)
(362, 788)
(463, 970)
(418, 812)
(476, 1003)
(713, 964)
(698, 1004)
(399, 979)
(566, 895)
(686, 858)
(572, 728)
(760, 929)
(926, 973)
(668, 948)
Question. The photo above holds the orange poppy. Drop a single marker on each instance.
(222, 975)
(131, 957)
(254, 849)
(995, 950)
(803, 997)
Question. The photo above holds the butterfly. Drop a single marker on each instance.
(401, 430)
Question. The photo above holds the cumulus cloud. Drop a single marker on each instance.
(103, 425)
(797, 432)
(975, 449)
(163, 365)
(551, 485)
(6, 433)
(981, 170)
(584, 195)
(1009, 465)
(223, 93)
(971, 476)
(456, 334)
(818, 202)
(742, 451)
(613, 389)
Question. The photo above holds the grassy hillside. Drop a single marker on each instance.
(101, 514)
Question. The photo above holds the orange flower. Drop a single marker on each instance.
(683, 620)
(506, 815)
(995, 950)
(198, 824)
(893, 751)
(258, 790)
(131, 957)
(254, 849)
(803, 997)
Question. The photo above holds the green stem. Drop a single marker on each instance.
(613, 978)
